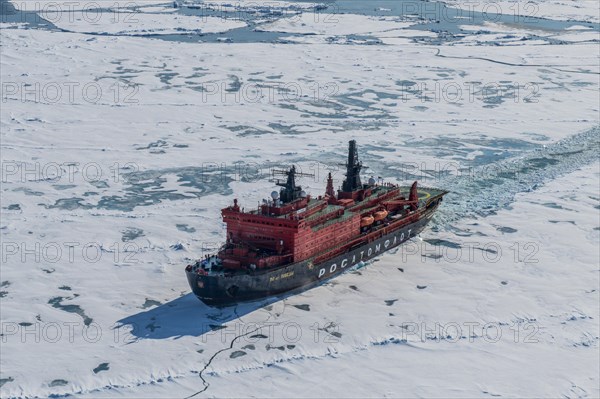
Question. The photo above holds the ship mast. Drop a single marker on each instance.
(353, 167)
(290, 191)
(330, 191)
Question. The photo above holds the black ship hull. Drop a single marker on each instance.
(223, 289)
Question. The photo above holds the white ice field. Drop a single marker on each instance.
(125, 129)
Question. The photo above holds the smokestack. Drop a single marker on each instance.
(414, 196)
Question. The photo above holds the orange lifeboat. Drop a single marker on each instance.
(366, 221)
(380, 215)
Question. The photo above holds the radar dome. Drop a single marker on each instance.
(371, 181)
(274, 195)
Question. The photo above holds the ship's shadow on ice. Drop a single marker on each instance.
(184, 316)
(188, 316)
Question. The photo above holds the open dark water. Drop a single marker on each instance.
(426, 15)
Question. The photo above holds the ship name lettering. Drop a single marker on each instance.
(332, 268)
(288, 274)
(395, 237)
(321, 272)
(361, 254)
(353, 259)
(378, 247)
(386, 243)
(344, 263)
(409, 232)
(370, 252)
(401, 237)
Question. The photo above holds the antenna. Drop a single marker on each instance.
(290, 190)
(285, 172)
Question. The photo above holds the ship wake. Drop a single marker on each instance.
(484, 190)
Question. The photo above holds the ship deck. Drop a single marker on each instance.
(212, 264)
(425, 193)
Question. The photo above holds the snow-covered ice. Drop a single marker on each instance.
(125, 18)
(343, 24)
(567, 10)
